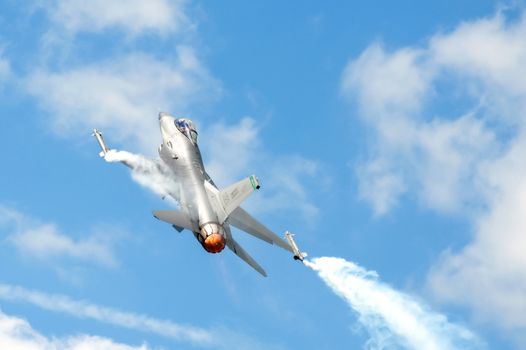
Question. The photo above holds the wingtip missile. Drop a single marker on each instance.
(102, 143)
(298, 255)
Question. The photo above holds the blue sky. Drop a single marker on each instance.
(391, 135)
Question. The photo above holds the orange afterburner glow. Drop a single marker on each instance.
(214, 243)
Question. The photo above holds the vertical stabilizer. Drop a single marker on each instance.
(229, 199)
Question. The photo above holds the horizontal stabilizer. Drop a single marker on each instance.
(239, 251)
(177, 218)
(242, 220)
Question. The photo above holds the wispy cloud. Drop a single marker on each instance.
(234, 144)
(489, 273)
(45, 241)
(83, 309)
(393, 319)
(17, 334)
(132, 16)
(5, 68)
(387, 83)
(232, 150)
(217, 337)
(111, 94)
(466, 160)
(117, 97)
(119, 89)
(440, 155)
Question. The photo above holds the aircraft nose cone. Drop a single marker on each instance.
(166, 124)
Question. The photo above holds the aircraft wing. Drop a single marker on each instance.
(242, 220)
(239, 251)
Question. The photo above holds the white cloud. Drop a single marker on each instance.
(217, 338)
(490, 50)
(17, 334)
(387, 83)
(285, 185)
(5, 69)
(122, 96)
(228, 149)
(380, 184)
(436, 159)
(232, 151)
(489, 274)
(83, 309)
(470, 162)
(132, 16)
(44, 241)
(124, 88)
(436, 156)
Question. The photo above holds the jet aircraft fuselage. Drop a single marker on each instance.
(181, 153)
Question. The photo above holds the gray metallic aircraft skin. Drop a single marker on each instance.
(205, 210)
(183, 157)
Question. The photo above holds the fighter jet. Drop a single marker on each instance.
(206, 211)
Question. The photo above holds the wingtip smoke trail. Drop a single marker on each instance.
(147, 173)
(393, 319)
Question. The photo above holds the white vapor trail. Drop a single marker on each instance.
(83, 309)
(393, 319)
(148, 173)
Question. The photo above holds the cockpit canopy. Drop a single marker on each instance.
(187, 127)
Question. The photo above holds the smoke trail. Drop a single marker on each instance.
(393, 319)
(149, 173)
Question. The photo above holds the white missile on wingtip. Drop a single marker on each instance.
(298, 255)
(102, 144)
